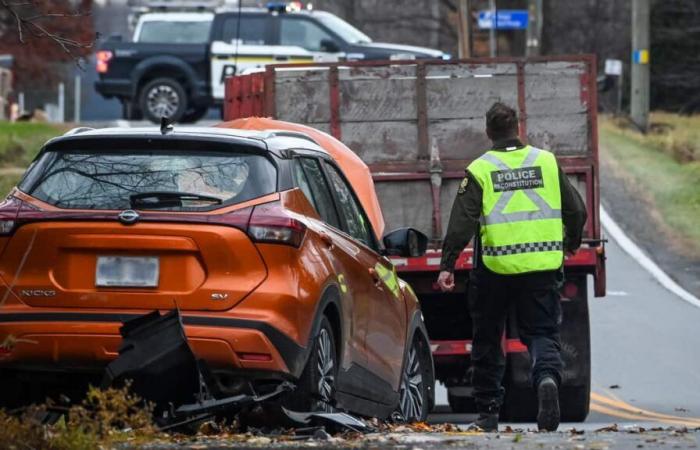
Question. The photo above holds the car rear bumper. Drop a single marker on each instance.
(89, 341)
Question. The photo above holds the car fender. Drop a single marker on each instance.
(162, 62)
(330, 295)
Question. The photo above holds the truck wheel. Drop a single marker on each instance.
(316, 387)
(520, 403)
(460, 404)
(194, 115)
(163, 97)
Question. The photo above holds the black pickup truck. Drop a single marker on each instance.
(182, 80)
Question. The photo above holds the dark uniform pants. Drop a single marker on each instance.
(535, 300)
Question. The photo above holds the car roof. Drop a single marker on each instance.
(275, 141)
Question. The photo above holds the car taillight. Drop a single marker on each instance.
(103, 58)
(8, 215)
(272, 224)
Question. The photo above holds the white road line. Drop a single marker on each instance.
(637, 254)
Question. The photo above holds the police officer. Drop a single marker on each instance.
(527, 215)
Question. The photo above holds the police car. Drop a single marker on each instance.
(181, 80)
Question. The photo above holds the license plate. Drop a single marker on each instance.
(127, 271)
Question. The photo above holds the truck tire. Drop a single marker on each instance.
(163, 97)
(520, 403)
(194, 115)
(461, 404)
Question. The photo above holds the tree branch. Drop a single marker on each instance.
(27, 14)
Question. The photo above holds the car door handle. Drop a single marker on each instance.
(281, 58)
(326, 239)
(375, 277)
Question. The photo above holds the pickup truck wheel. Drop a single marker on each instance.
(163, 97)
(194, 115)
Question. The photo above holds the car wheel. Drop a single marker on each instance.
(413, 392)
(316, 387)
(163, 97)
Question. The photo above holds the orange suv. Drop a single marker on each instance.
(256, 236)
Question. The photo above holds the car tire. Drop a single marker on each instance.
(414, 399)
(194, 115)
(316, 387)
(163, 97)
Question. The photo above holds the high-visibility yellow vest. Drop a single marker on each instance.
(521, 226)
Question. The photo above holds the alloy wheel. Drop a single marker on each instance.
(163, 101)
(325, 368)
(411, 392)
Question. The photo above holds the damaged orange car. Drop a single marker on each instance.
(266, 240)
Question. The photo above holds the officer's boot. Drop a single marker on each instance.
(487, 421)
(548, 398)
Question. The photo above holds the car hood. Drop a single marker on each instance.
(397, 48)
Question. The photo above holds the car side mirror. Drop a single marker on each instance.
(329, 46)
(405, 242)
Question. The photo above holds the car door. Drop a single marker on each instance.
(386, 324)
(301, 39)
(243, 43)
(309, 177)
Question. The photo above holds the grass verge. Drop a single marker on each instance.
(668, 183)
(20, 141)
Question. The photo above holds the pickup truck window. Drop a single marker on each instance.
(303, 33)
(253, 30)
(179, 32)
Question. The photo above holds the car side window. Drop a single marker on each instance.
(356, 222)
(302, 182)
(302, 33)
(318, 193)
(253, 30)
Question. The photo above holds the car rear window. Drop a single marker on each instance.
(110, 180)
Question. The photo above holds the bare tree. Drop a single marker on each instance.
(58, 23)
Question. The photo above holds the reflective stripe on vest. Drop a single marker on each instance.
(521, 213)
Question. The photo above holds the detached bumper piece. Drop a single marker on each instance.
(156, 357)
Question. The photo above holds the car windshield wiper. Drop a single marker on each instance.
(168, 199)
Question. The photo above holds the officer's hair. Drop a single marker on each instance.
(501, 122)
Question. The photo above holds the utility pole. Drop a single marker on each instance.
(493, 44)
(639, 102)
(464, 29)
(534, 28)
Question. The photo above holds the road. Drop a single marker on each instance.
(645, 353)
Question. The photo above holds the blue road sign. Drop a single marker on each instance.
(507, 19)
